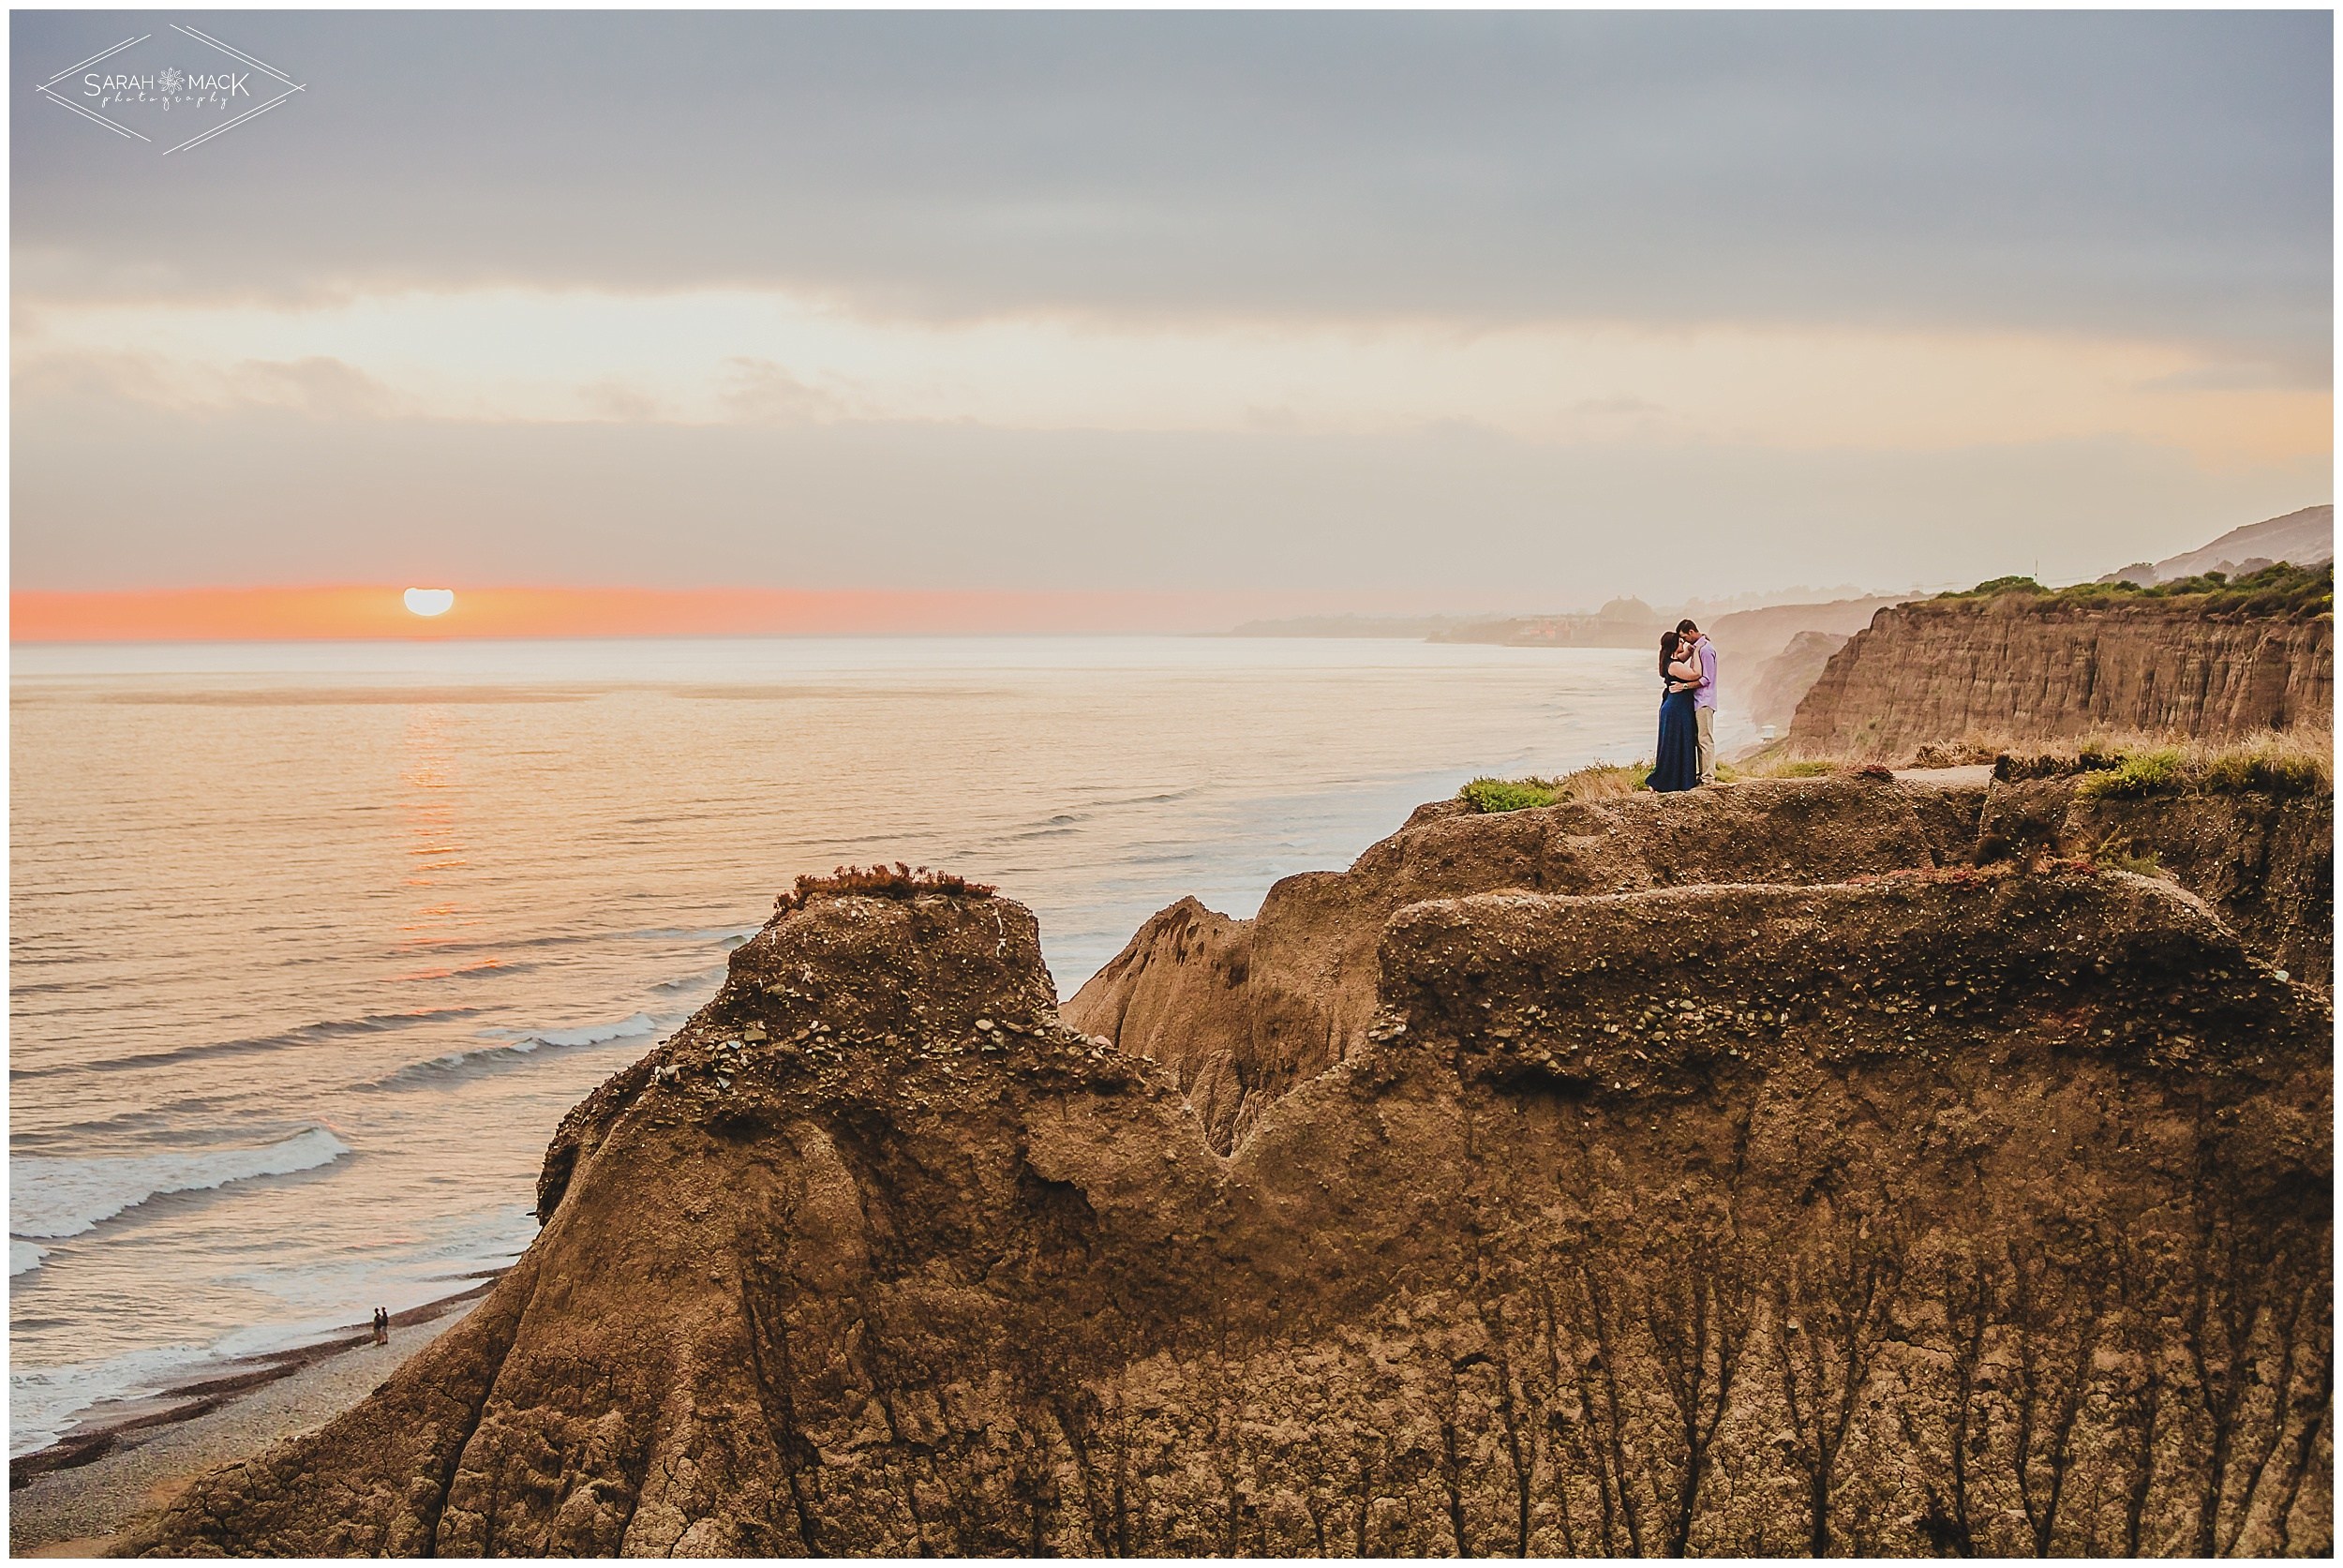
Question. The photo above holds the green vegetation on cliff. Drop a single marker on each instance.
(2283, 590)
(2281, 764)
(1596, 782)
(1604, 781)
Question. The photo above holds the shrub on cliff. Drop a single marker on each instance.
(1993, 588)
(2270, 770)
(1491, 796)
(898, 881)
(2164, 771)
(2273, 766)
(1600, 780)
(2282, 590)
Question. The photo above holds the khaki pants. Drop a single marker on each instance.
(1705, 718)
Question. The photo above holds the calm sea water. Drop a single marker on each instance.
(312, 945)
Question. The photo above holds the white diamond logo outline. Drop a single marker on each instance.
(47, 88)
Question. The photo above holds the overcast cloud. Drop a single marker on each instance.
(2147, 194)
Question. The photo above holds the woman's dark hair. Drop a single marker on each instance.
(1668, 641)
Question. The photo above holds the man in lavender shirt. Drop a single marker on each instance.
(1704, 699)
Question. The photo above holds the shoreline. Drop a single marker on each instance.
(131, 1457)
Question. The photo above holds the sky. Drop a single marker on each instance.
(1376, 311)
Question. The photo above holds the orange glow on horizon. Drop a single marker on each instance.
(370, 613)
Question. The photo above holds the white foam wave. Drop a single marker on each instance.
(589, 1033)
(49, 1198)
(707, 981)
(44, 1403)
(634, 1027)
(316, 1300)
(24, 1257)
(731, 937)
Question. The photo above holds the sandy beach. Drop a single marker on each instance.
(78, 1512)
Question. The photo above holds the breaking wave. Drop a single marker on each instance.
(50, 1197)
(309, 1034)
(439, 1068)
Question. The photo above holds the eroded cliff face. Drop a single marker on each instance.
(1925, 1211)
(1242, 1011)
(2020, 668)
(2264, 862)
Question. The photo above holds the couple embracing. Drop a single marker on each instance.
(1688, 712)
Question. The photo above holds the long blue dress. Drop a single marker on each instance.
(1677, 764)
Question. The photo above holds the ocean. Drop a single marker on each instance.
(313, 943)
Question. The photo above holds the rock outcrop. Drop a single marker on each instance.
(1242, 1011)
(2019, 667)
(1703, 1206)
(2264, 862)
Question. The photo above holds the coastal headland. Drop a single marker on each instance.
(1800, 1165)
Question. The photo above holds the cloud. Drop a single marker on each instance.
(2117, 172)
(618, 401)
(1459, 515)
(736, 356)
(1125, 299)
(761, 392)
(318, 384)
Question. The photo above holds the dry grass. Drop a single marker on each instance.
(1956, 754)
(1774, 760)
(2292, 762)
(2116, 853)
(2120, 767)
(2132, 765)
(898, 881)
(2266, 767)
(1600, 781)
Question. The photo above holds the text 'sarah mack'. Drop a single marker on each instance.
(165, 86)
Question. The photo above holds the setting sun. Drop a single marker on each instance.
(430, 600)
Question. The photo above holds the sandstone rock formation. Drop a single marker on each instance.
(2018, 668)
(2264, 863)
(1736, 1180)
(1242, 1011)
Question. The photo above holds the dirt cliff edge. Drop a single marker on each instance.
(1916, 1210)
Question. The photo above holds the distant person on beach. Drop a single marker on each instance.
(1704, 697)
(382, 1327)
(1676, 762)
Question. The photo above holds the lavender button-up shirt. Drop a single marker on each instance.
(1707, 695)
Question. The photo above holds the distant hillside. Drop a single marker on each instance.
(1752, 636)
(1408, 626)
(1620, 624)
(1781, 682)
(2307, 538)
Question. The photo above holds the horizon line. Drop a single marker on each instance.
(377, 612)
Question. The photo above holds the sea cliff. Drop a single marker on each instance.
(2019, 665)
(1745, 1172)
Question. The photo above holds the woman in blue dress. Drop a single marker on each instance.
(1676, 762)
